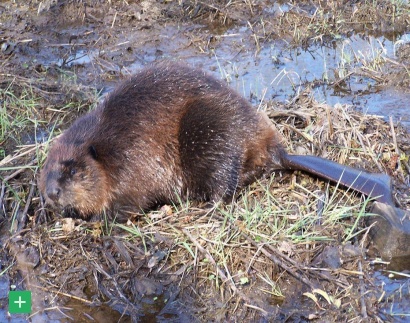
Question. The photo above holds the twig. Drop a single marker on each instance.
(205, 252)
(28, 202)
(64, 294)
(9, 159)
(118, 288)
(393, 134)
(362, 292)
(342, 79)
(9, 177)
(113, 21)
(275, 259)
(279, 262)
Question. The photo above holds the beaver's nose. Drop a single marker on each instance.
(53, 192)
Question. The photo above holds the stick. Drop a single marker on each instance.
(246, 299)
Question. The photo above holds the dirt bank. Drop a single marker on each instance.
(290, 247)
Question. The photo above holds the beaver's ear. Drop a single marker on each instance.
(93, 152)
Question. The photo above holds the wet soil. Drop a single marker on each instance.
(297, 58)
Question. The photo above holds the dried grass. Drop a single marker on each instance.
(237, 258)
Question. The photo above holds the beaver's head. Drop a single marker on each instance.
(72, 177)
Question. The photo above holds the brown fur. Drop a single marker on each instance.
(169, 130)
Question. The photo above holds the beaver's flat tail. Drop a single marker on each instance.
(377, 186)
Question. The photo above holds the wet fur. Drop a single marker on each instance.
(169, 130)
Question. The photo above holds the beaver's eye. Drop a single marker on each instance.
(73, 171)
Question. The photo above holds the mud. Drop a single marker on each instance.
(68, 53)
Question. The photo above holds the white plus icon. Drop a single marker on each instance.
(20, 302)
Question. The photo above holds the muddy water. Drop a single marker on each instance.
(397, 291)
(275, 71)
(278, 72)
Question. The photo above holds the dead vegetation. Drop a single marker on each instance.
(285, 238)
(289, 247)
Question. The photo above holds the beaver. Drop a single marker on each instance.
(173, 131)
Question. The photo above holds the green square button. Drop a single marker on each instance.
(20, 302)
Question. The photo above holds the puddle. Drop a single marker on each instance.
(274, 72)
(4, 290)
(79, 312)
(81, 57)
(396, 299)
(279, 73)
